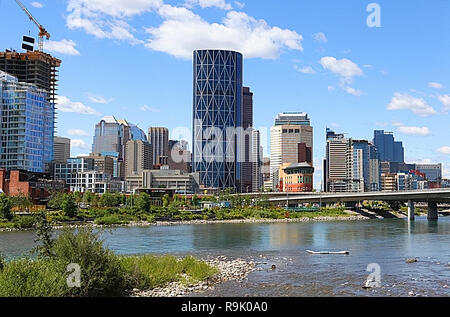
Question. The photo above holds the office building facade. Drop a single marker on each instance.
(61, 149)
(27, 126)
(158, 137)
(217, 114)
(388, 149)
(138, 157)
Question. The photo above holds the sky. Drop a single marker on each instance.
(354, 66)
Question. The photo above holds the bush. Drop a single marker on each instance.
(110, 220)
(24, 222)
(68, 206)
(5, 208)
(28, 278)
(101, 272)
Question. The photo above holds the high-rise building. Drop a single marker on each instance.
(61, 149)
(291, 141)
(27, 125)
(257, 162)
(363, 167)
(159, 140)
(388, 149)
(433, 172)
(336, 162)
(217, 113)
(247, 125)
(138, 157)
(36, 68)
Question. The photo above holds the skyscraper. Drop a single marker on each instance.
(138, 157)
(61, 148)
(27, 125)
(217, 113)
(335, 162)
(388, 149)
(291, 141)
(247, 123)
(159, 140)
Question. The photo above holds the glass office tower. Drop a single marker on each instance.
(388, 149)
(217, 106)
(27, 126)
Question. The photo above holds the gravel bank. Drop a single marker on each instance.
(229, 270)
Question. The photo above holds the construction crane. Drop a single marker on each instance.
(42, 31)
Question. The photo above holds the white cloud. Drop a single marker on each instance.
(345, 68)
(149, 109)
(77, 132)
(221, 4)
(353, 91)
(66, 47)
(331, 88)
(444, 150)
(445, 99)
(435, 85)
(37, 4)
(417, 131)
(407, 102)
(98, 99)
(320, 37)
(240, 5)
(305, 70)
(183, 31)
(79, 144)
(64, 104)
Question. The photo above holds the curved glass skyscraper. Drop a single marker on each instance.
(217, 112)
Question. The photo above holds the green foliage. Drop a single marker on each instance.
(24, 222)
(101, 272)
(195, 200)
(33, 278)
(110, 220)
(69, 206)
(88, 197)
(5, 208)
(56, 199)
(44, 237)
(395, 205)
(143, 202)
(111, 200)
(23, 202)
(148, 272)
(166, 201)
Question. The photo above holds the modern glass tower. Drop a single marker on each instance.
(27, 125)
(217, 107)
(389, 150)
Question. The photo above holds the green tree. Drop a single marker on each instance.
(5, 208)
(44, 236)
(21, 201)
(56, 199)
(166, 200)
(195, 200)
(88, 197)
(109, 200)
(68, 206)
(143, 202)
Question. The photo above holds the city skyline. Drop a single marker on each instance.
(316, 69)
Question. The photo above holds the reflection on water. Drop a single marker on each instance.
(386, 242)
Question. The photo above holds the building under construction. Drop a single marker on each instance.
(36, 68)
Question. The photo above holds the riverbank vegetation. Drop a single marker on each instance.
(118, 209)
(102, 272)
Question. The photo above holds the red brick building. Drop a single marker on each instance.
(36, 186)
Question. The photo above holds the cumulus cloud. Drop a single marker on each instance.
(64, 104)
(66, 47)
(37, 4)
(305, 70)
(435, 85)
(221, 4)
(444, 150)
(417, 131)
(183, 31)
(77, 132)
(240, 5)
(79, 144)
(320, 37)
(345, 68)
(445, 100)
(407, 102)
(353, 91)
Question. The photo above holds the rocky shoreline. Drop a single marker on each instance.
(144, 224)
(229, 270)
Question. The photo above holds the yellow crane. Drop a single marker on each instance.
(42, 31)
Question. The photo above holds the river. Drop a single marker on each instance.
(387, 243)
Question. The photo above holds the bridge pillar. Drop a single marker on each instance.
(432, 211)
(411, 210)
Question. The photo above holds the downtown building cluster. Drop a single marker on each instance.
(227, 152)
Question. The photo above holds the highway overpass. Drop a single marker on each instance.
(432, 197)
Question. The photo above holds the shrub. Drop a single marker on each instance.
(5, 208)
(143, 202)
(109, 220)
(101, 272)
(28, 278)
(68, 206)
(24, 222)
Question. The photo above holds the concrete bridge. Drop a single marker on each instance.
(432, 197)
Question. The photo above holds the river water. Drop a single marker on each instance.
(387, 243)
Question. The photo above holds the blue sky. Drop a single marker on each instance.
(131, 59)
